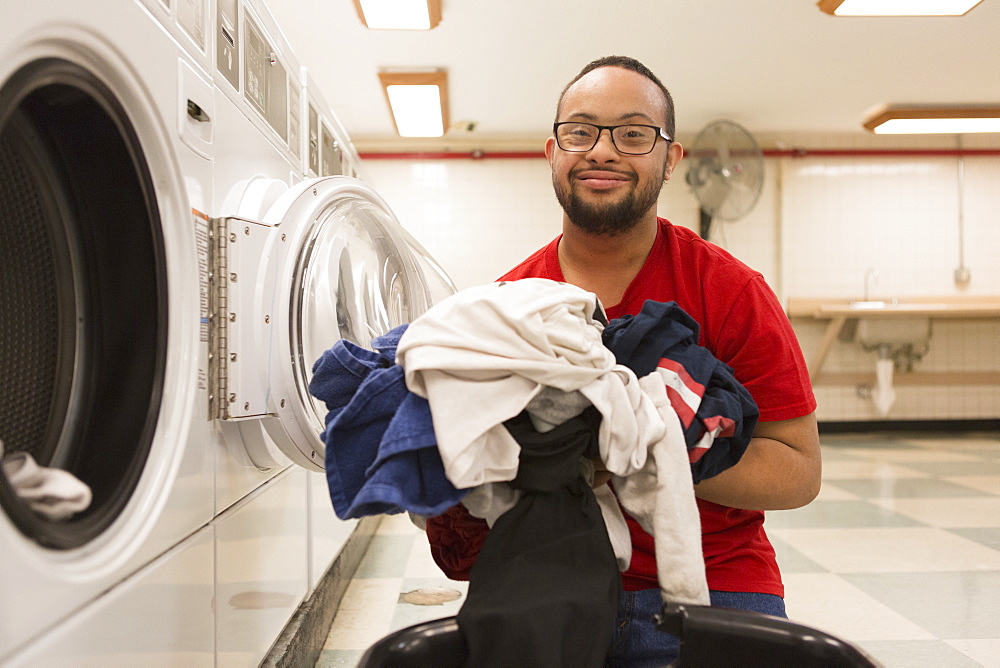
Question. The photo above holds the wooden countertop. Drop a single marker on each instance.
(987, 306)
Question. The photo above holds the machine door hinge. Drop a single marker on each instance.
(218, 301)
(239, 324)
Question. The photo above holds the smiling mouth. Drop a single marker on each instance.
(602, 181)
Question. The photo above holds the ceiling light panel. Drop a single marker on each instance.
(418, 102)
(399, 14)
(934, 120)
(897, 7)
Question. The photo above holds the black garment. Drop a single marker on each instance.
(544, 590)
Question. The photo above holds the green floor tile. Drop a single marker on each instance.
(962, 604)
(989, 536)
(386, 557)
(906, 488)
(913, 653)
(791, 560)
(872, 442)
(339, 658)
(837, 514)
(942, 469)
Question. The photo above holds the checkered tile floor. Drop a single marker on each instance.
(900, 554)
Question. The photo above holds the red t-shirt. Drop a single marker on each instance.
(743, 325)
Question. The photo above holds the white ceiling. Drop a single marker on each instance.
(770, 65)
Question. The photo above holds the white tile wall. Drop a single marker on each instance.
(478, 218)
(817, 226)
(899, 215)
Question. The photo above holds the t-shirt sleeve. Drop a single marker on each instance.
(758, 342)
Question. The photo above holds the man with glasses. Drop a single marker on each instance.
(612, 150)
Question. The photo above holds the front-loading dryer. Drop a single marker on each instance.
(182, 234)
(300, 259)
(325, 262)
(301, 254)
(104, 167)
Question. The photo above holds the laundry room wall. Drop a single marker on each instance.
(820, 223)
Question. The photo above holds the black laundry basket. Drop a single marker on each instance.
(710, 636)
(724, 638)
(438, 643)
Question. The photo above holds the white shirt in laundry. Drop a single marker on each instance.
(480, 356)
(661, 498)
(485, 354)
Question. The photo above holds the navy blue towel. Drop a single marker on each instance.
(381, 453)
(710, 399)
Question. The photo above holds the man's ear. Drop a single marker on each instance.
(674, 154)
(550, 149)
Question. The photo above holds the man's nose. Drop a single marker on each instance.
(605, 147)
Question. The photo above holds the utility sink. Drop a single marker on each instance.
(885, 321)
(875, 332)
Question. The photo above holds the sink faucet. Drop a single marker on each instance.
(872, 273)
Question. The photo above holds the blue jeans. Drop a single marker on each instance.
(638, 644)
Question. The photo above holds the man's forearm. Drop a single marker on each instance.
(779, 470)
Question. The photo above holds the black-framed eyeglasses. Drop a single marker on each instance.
(631, 139)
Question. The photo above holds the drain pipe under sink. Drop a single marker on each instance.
(883, 395)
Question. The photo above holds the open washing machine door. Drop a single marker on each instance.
(327, 261)
(436, 282)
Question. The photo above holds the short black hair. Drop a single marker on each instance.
(633, 65)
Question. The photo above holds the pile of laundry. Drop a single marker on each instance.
(502, 397)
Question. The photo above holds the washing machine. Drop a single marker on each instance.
(183, 233)
(305, 253)
(104, 171)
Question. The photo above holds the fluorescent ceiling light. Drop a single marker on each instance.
(399, 14)
(934, 120)
(897, 7)
(418, 102)
(416, 110)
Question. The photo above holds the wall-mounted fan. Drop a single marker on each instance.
(726, 172)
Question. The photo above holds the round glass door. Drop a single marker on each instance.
(348, 274)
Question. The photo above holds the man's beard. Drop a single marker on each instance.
(610, 219)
